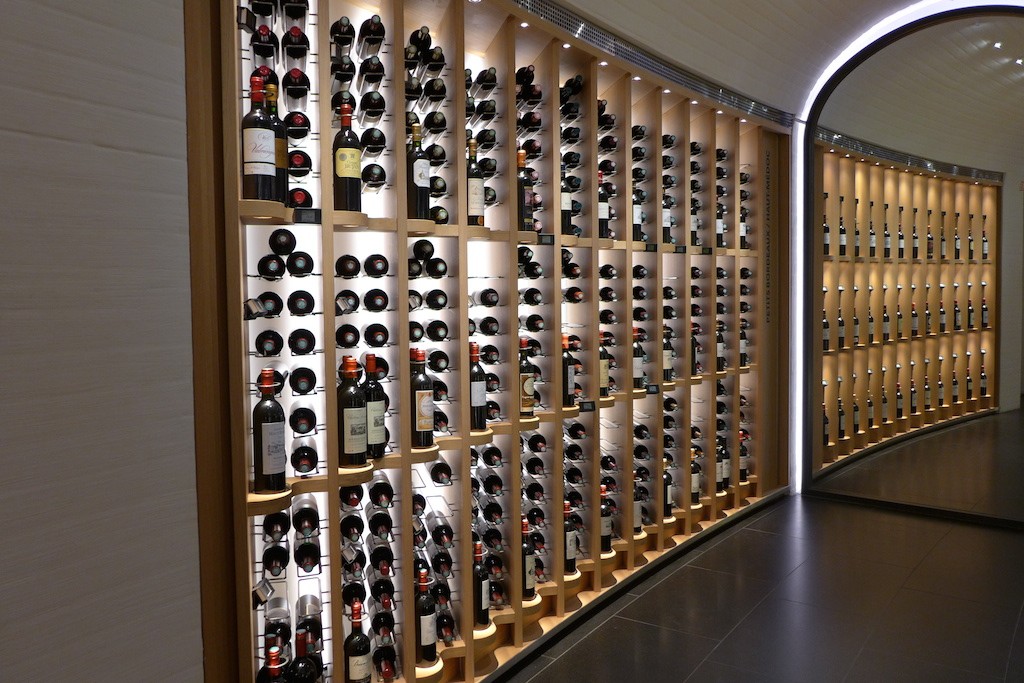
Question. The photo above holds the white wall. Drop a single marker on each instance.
(97, 484)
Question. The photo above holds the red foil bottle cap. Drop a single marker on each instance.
(526, 526)
(266, 380)
(264, 30)
(349, 366)
(370, 363)
(295, 73)
(524, 343)
(295, 31)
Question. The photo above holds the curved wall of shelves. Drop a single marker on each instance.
(686, 249)
(908, 288)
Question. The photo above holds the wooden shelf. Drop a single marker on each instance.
(481, 437)
(266, 503)
(260, 212)
(424, 455)
(353, 476)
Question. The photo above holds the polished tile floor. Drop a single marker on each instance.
(816, 591)
(974, 468)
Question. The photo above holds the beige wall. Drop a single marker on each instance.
(97, 484)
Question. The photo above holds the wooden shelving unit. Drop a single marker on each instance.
(911, 339)
(735, 403)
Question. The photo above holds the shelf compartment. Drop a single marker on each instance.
(266, 503)
(262, 212)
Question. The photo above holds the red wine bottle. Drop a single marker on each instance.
(280, 145)
(568, 375)
(606, 521)
(477, 391)
(347, 174)
(259, 161)
(529, 563)
(481, 587)
(358, 664)
(418, 182)
(422, 394)
(426, 622)
(376, 406)
(269, 456)
(525, 194)
(475, 194)
(352, 411)
(526, 379)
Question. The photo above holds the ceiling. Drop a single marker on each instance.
(942, 93)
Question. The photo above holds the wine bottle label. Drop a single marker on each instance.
(273, 456)
(956, 394)
(602, 370)
(885, 327)
(638, 367)
(899, 405)
(902, 244)
(603, 212)
(984, 318)
(531, 573)
(424, 410)
(358, 669)
(666, 218)
(346, 163)
(354, 434)
(375, 433)
(913, 403)
(428, 629)
(570, 380)
(421, 173)
(606, 525)
(720, 226)
(914, 324)
(842, 423)
(571, 551)
(720, 349)
(842, 239)
(873, 241)
(888, 242)
(956, 320)
(927, 397)
(745, 462)
(484, 597)
(828, 239)
(475, 196)
(526, 392)
(984, 386)
(566, 201)
(637, 514)
(281, 152)
(744, 230)
(478, 394)
(694, 222)
(825, 334)
(719, 470)
(258, 152)
(695, 483)
(637, 215)
(942, 319)
(666, 358)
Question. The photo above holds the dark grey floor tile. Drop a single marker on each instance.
(755, 554)
(699, 601)
(948, 631)
(795, 642)
(874, 665)
(974, 563)
(843, 583)
(528, 672)
(716, 672)
(1015, 666)
(624, 650)
(577, 634)
(811, 518)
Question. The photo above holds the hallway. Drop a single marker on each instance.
(811, 590)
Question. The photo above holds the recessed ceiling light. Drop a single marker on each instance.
(694, 102)
(1019, 61)
(525, 25)
(666, 91)
(862, 160)
(566, 45)
(847, 156)
(743, 120)
(602, 63)
(719, 112)
(997, 45)
(831, 151)
(878, 163)
(636, 78)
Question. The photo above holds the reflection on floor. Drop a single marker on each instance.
(976, 467)
(811, 590)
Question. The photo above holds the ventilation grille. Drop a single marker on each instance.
(617, 47)
(869, 149)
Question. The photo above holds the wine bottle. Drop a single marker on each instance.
(475, 194)
(347, 173)
(371, 37)
(525, 194)
(376, 407)
(358, 667)
(352, 414)
(422, 394)
(418, 182)
(529, 563)
(481, 587)
(259, 159)
(426, 621)
(280, 145)
(269, 454)
(606, 521)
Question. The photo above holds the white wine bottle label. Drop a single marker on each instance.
(424, 411)
(873, 241)
(942, 319)
(885, 327)
(359, 668)
(475, 196)
(637, 214)
(570, 378)
(606, 526)
(984, 387)
(478, 394)
(421, 173)
(871, 413)
(273, 455)
(346, 163)
(720, 226)
(842, 239)
(695, 482)
(825, 332)
(637, 513)
(842, 423)
(484, 599)
(566, 201)
(526, 403)
(719, 470)
(743, 345)
(888, 242)
(428, 629)
(720, 349)
(828, 239)
(745, 463)
(375, 433)
(666, 358)
(666, 218)
(531, 572)
(638, 367)
(602, 370)
(984, 318)
(914, 324)
(744, 230)
(258, 152)
(913, 403)
(354, 437)
(603, 211)
(694, 222)
(927, 397)
(571, 550)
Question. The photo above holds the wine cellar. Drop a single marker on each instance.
(908, 289)
(625, 386)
